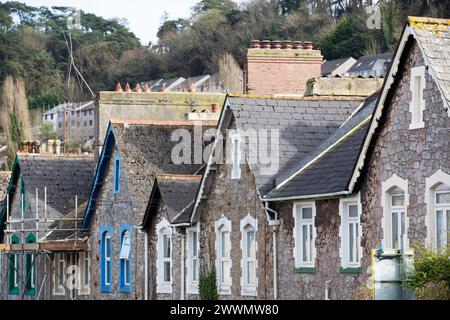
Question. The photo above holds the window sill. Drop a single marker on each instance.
(106, 290)
(14, 292)
(305, 270)
(418, 125)
(350, 270)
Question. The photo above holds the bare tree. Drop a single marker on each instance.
(231, 74)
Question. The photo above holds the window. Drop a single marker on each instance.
(249, 279)
(59, 125)
(125, 259)
(164, 263)
(106, 259)
(59, 276)
(90, 123)
(193, 245)
(51, 116)
(442, 218)
(78, 124)
(85, 123)
(350, 232)
(117, 174)
(397, 216)
(417, 104)
(14, 269)
(236, 157)
(30, 268)
(223, 250)
(304, 252)
(84, 277)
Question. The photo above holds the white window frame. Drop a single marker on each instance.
(108, 259)
(16, 270)
(298, 234)
(58, 289)
(344, 230)
(84, 273)
(400, 211)
(417, 104)
(445, 208)
(163, 228)
(192, 284)
(431, 183)
(236, 156)
(386, 187)
(126, 261)
(247, 289)
(223, 224)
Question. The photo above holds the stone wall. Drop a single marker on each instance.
(413, 155)
(235, 199)
(346, 86)
(114, 210)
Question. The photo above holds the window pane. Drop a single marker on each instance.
(311, 243)
(126, 246)
(127, 272)
(443, 198)
(448, 227)
(166, 271)
(351, 241)
(225, 244)
(353, 211)
(86, 269)
(194, 243)
(357, 242)
(226, 272)
(440, 229)
(394, 242)
(108, 247)
(251, 244)
(195, 270)
(108, 272)
(166, 244)
(306, 213)
(398, 200)
(251, 275)
(305, 242)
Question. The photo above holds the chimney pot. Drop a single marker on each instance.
(215, 107)
(287, 44)
(128, 88)
(255, 44)
(276, 44)
(146, 88)
(308, 45)
(138, 88)
(265, 44)
(297, 45)
(119, 87)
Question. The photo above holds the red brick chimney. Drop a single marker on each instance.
(273, 68)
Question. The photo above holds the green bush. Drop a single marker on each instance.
(207, 285)
(430, 277)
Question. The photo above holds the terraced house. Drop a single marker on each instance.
(134, 152)
(41, 230)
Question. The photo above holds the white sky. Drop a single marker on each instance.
(144, 16)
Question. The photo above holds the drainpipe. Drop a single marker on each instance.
(146, 265)
(182, 265)
(274, 223)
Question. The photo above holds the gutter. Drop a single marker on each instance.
(313, 196)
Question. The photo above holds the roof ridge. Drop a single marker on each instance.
(163, 122)
(427, 20)
(179, 177)
(57, 156)
(298, 97)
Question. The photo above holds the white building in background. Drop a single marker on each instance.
(371, 66)
(80, 120)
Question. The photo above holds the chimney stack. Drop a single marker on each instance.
(281, 67)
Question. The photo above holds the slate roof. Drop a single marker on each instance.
(64, 177)
(433, 37)
(330, 65)
(303, 124)
(177, 193)
(332, 171)
(366, 62)
(145, 151)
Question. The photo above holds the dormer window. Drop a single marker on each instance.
(417, 104)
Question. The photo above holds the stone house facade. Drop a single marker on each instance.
(132, 155)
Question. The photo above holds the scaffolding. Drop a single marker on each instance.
(39, 251)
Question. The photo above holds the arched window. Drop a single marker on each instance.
(14, 268)
(125, 259)
(106, 259)
(249, 262)
(30, 268)
(437, 198)
(164, 253)
(223, 252)
(442, 215)
(395, 221)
